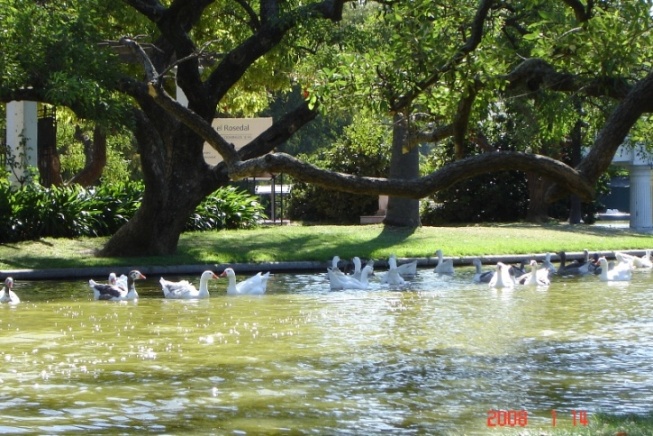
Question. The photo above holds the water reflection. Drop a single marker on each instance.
(433, 358)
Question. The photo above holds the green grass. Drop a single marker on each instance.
(320, 243)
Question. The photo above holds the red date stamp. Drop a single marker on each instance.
(519, 418)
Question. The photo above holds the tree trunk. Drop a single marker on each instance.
(575, 209)
(404, 164)
(177, 179)
(538, 208)
(95, 151)
(48, 159)
(158, 223)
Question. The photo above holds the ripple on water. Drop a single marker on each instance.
(427, 359)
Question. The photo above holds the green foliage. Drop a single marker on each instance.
(501, 197)
(33, 212)
(227, 208)
(363, 150)
(115, 203)
(55, 211)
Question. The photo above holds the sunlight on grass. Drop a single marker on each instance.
(321, 243)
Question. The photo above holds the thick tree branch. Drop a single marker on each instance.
(613, 134)
(534, 74)
(95, 151)
(268, 36)
(424, 186)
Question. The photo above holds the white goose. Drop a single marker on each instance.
(184, 290)
(7, 295)
(481, 276)
(643, 262)
(444, 266)
(255, 285)
(393, 275)
(115, 292)
(617, 274)
(548, 264)
(357, 267)
(348, 282)
(405, 270)
(502, 277)
(537, 277)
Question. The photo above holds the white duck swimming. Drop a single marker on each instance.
(643, 262)
(184, 290)
(536, 277)
(406, 270)
(546, 263)
(357, 267)
(348, 282)
(444, 266)
(502, 277)
(617, 274)
(7, 295)
(393, 276)
(116, 292)
(255, 285)
(481, 276)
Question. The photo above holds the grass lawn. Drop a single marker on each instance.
(321, 243)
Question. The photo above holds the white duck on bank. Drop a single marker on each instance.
(255, 285)
(117, 291)
(536, 277)
(502, 277)
(184, 290)
(444, 266)
(616, 274)
(348, 282)
(481, 276)
(7, 295)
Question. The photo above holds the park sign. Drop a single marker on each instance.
(237, 131)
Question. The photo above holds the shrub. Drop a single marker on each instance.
(501, 197)
(227, 208)
(34, 211)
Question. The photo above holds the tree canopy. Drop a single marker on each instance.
(459, 63)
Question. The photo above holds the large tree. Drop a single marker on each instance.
(212, 48)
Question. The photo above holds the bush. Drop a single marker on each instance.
(34, 211)
(501, 197)
(227, 208)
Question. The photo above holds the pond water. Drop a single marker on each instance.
(435, 358)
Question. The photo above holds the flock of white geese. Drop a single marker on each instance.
(123, 288)
(502, 276)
